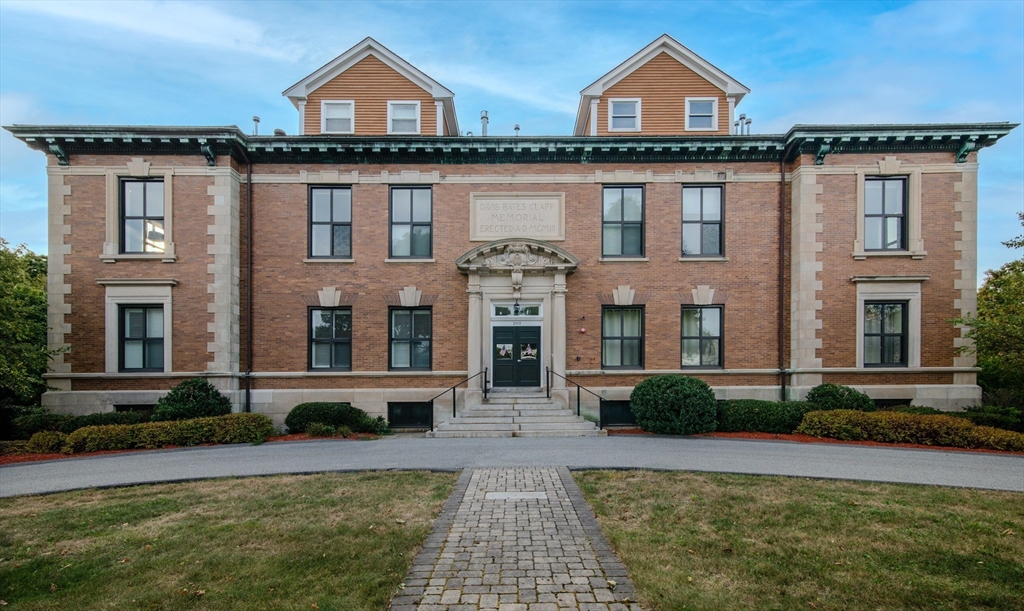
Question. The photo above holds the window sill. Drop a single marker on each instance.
(163, 257)
(631, 130)
(410, 260)
(623, 259)
(328, 260)
(704, 259)
(860, 256)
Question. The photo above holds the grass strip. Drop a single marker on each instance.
(718, 541)
(328, 541)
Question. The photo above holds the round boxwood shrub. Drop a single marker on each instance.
(674, 404)
(319, 429)
(331, 414)
(195, 398)
(46, 442)
(834, 396)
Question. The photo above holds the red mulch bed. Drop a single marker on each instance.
(8, 459)
(801, 438)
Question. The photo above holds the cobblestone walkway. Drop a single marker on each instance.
(516, 540)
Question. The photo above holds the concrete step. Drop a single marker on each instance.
(595, 432)
(559, 426)
(437, 434)
(464, 426)
(543, 419)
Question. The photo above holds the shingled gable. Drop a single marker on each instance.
(298, 92)
(733, 89)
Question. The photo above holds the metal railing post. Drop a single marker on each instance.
(453, 403)
(486, 382)
(600, 413)
(431, 415)
(577, 400)
(547, 381)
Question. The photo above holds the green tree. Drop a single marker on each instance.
(23, 353)
(998, 327)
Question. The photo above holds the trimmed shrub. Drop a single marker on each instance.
(319, 429)
(1000, 417)
(27, 426)
(101, 419)
(335, 415)
(232, 428)
(674, 404)
(834, 396)
(749, 415)
(195, 398)
(46, 442)
(894, 427)
(912, 409)
(343, 431)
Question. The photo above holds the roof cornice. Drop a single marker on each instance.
(818, 140)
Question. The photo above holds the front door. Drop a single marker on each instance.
(516, 356)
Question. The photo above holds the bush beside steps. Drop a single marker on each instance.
(333, 415)
(232, 428)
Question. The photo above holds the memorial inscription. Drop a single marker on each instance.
(494, 216)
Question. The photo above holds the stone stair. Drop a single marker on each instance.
(521, 414)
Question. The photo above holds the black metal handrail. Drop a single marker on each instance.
(452, 390)
(547, 384)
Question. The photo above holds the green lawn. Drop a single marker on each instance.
(711, 541)
(329, 541)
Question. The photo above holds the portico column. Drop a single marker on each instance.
(558, 329)
(474, 339)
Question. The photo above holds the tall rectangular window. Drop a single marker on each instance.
(624, 115)
(142, 216)
(330, 338)
(338, 117)
(622, 226)
(885, 214)
(411, 222)
(411, 335)
(622, 337)
(702, 221)
(885, 334)
(330, 222)
(404, 118)
(702, 336)
(141, 338)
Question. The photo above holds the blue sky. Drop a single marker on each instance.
(192, 63)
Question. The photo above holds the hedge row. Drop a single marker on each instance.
(753, 416)
(895, 427)
(233, 428)
(333, 415)
(27, 426)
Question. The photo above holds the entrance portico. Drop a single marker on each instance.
(516, 343)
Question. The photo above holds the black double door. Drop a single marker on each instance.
(516, 356)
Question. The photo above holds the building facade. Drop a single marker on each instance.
(379, 257)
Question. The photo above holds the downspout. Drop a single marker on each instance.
(248, 280)
(782, 267)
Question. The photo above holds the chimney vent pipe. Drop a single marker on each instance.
(483, 122)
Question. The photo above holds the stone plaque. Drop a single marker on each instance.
(494, 216)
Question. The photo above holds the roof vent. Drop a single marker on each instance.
(517, 129)
(279, 132)
(483, 122)
(255, 126)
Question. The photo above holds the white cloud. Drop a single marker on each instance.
(184, 22)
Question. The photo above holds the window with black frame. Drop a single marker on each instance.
(141, 338)
(330, 338)
(702, 221)
(330, 222)
(885, 334)
(622, 337)
(885, 214)
(622, 227)
(701, 337)
(411, 337)
(142, 216)
(411, 222)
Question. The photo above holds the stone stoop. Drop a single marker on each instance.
(517, 415)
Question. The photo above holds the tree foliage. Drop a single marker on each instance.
(998, 327)
(24, 356)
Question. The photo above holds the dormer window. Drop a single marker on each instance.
(702, 114)
(337, 116)
(404, 118)
(624, 115)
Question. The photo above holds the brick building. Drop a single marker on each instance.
(380, 257)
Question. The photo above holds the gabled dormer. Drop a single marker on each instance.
(370, 91)
(664, 90)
